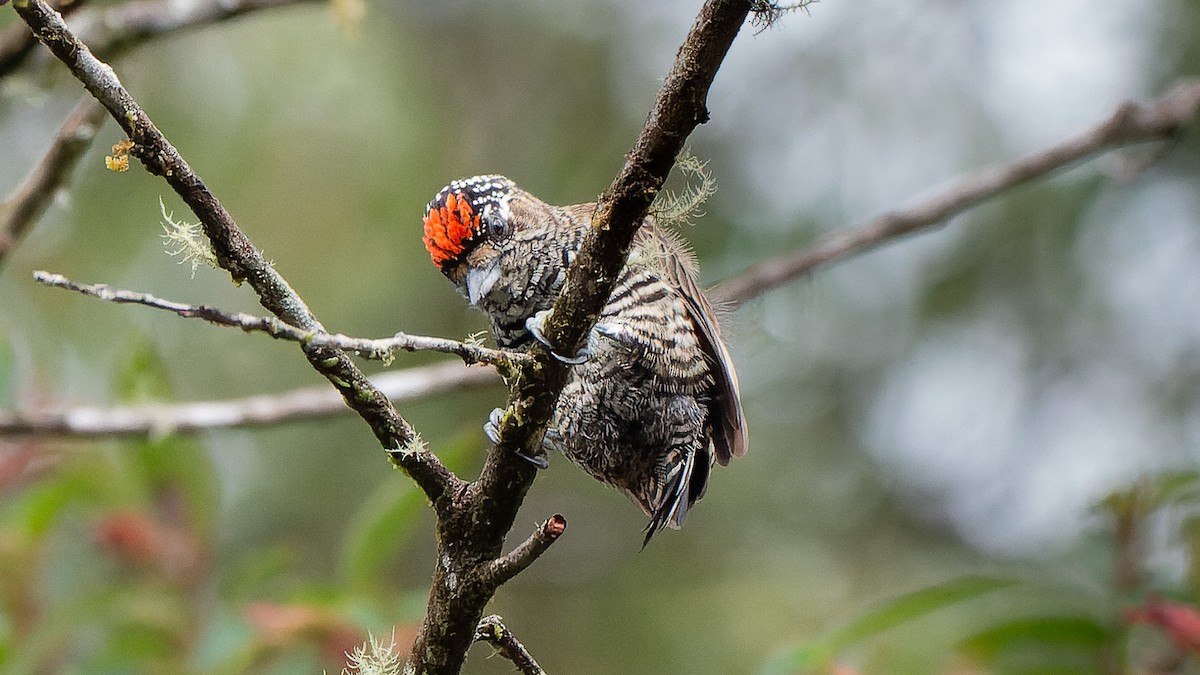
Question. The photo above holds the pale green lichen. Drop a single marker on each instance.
(674, 209)
(186, 241)
(384, 356)
(374, 657)
(476, 339)
(415, 445)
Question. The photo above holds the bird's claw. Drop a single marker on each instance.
(535, 325)
(491, 429)
(613, 331)
(540, 463)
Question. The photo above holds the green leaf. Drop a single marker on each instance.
(379, 529)
(898, 611)
(989, 645)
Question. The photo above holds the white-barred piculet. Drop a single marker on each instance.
(655, 397)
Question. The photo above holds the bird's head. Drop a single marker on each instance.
(467, 226)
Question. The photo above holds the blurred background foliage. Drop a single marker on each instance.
(972, 451)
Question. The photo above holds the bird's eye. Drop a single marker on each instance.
(497, 227)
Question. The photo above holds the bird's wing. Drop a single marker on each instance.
(728, 419)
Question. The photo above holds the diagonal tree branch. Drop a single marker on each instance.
(382, 348)
(471, 534)
(159, 419)
(26, 204)
(1161, 119)
(678, 109)
(112, 30)
(234, 251)
(472, 519)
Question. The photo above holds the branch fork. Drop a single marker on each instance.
(473, 518)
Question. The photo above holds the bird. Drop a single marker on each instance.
(653, 399)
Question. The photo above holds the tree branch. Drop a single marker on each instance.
(27, 203)
(678, 109)
(382, 348)
(159, 419)
(500, 570)
(472, 533)
(1172, 110)
(236, 254)
(111, 30)
(114, 29)
(1161, 119)
(492, 630)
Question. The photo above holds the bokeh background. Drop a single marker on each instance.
(972, 410)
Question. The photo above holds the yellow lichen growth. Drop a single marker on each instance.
(119, 159)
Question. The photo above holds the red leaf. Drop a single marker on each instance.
(1179, 621)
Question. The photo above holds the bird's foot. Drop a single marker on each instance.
(491, 429)
(536, 325)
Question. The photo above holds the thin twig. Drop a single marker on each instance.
(1131, 123)
(492, 630)
(114, 29)
(381, 348)
(739, 289)
(236, 254)
(517, 560)
(159, 419)
(27, 203)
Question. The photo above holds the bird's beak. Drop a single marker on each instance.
(480, 280)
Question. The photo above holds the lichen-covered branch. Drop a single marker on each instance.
(1160, 122)
(371, 348)
(679, 107)
(27, 203)
(234, 251)
(492, 630)
(1160, 119)
(187, 417)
